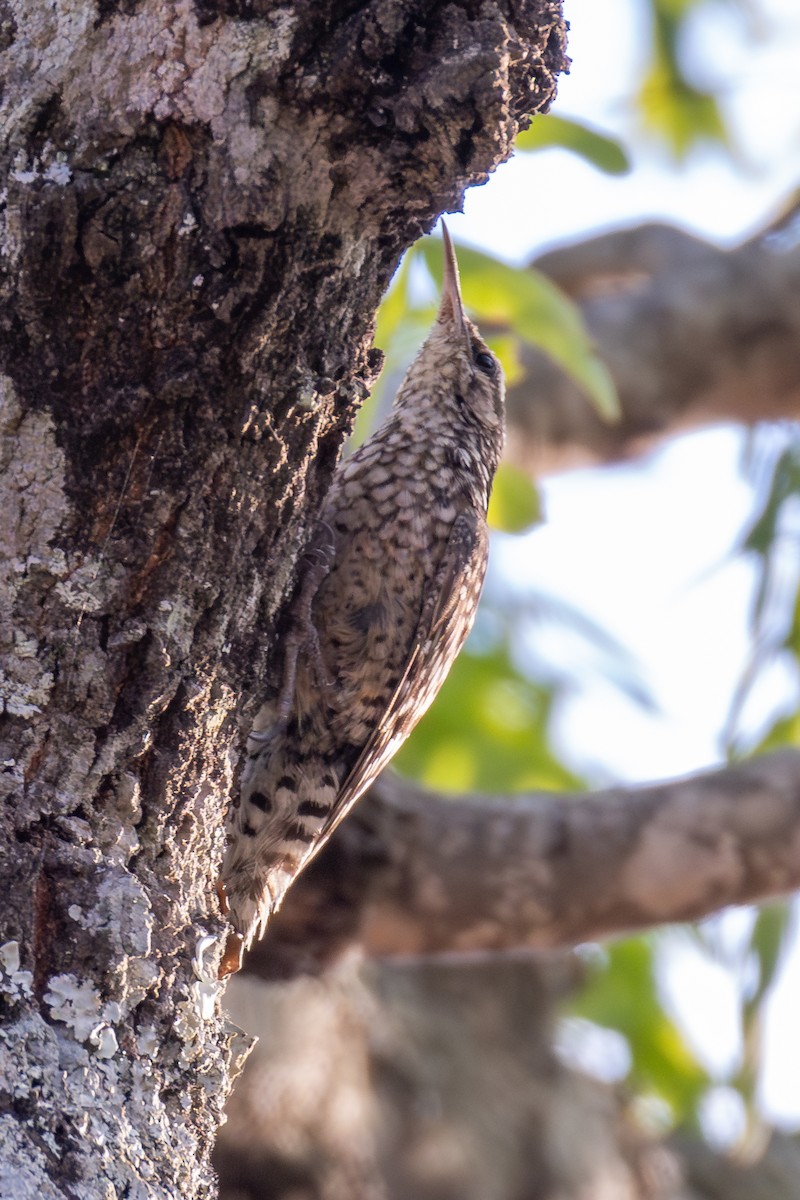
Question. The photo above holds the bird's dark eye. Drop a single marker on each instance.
(485, 361)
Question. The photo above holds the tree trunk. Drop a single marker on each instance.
(202, 206)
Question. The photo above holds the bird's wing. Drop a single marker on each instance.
(445, 620)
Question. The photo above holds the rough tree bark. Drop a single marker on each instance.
(202, 204)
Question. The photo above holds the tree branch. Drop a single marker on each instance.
(691, 333)
(412, 873)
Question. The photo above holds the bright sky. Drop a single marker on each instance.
(648, 550)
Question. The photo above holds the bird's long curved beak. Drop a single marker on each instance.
(451, 309)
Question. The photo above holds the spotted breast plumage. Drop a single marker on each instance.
(387, 595)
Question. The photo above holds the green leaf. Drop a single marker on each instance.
(670, 105)
(515, 504)
(784, 485)
(768, 941)
(792, 640)
(394, 306)
(785, 732)
(526, 301)
(682, 115)
(597, 148)
(762, 537)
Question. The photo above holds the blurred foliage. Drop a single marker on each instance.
(771, 540)
(597, 148)
(622, 994)
(514, 505)
(767, 949)
(524, 612)
(488, 731)
(491, 728)
(673, 107)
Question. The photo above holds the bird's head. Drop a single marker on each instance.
(457, 370)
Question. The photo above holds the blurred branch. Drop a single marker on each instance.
(690, 332)
(413, 873)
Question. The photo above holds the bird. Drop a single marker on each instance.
(387, 591)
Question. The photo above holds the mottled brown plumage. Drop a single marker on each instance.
(388, 593)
